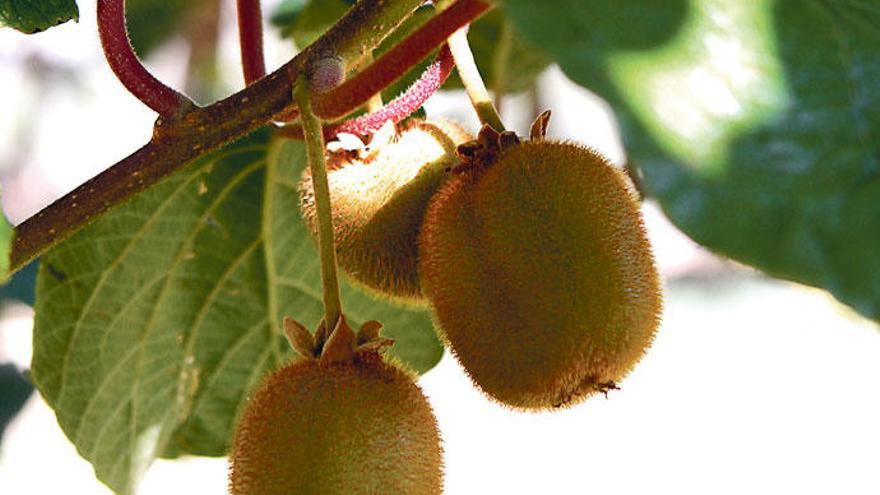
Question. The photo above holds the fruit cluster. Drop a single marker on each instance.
(532, 256)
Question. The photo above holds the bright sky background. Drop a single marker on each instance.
(752, 386)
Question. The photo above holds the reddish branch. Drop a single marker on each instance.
(397, 109)
(178, 141)
(250, 35)
(128, 68)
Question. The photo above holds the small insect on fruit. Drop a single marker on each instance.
(379, 201)
(536, 263)
(343, 422)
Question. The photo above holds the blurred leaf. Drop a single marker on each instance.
(286, 15)
(33, 16)
(153, 323)
(14, 390)
(313, 20)
(22, 285)
(754, 123)
(152, 22)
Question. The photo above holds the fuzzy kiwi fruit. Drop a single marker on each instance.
(540, 274)
(378, 203)
(356, 426)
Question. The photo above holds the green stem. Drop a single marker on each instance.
(314, 137)
(473, 82)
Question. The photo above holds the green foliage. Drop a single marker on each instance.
(33, 16)
(754, 123)
(15, 390)
(151, 22)
(155, 321)
(21, 286)
(305, 21)
(286, 15)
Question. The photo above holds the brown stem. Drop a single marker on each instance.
(128, 68)
(250, 35)
(178, 141)
(397, 109)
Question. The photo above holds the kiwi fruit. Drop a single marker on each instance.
(536, 263)
(351, 424)
(378, 201)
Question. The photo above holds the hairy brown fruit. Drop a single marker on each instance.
(360, 426)
(540, 274)
(379, 202)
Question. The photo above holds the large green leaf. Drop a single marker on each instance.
(153, 323)
(33, 16)
(755, 123)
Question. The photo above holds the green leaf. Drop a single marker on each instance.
(21, 286)
(153, 323)
(15, 390)
(152, 22)
(754, 123)
(286, 15)
(33, 16)
(313, 20)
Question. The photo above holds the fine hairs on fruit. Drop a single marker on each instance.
(537, 265)
(353, 424)
(379, 200)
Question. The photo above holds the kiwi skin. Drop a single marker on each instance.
(540, 274)
(355, 427)
(379, 202)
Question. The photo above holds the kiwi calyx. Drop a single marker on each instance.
(342, 344)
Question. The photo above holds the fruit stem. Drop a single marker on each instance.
(473, 82)
(314, 138)
(250, 36)
(128, 67)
